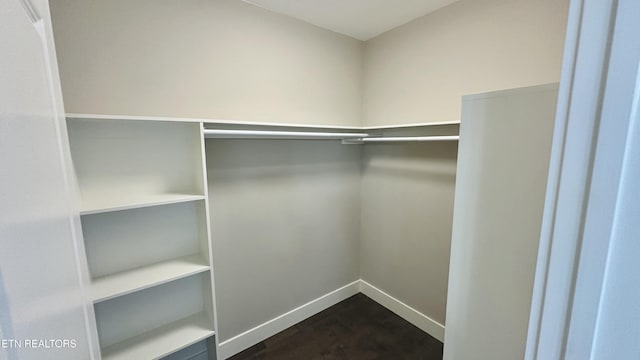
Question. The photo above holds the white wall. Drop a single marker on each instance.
(284, 225)
(220, 59)
(418, 72)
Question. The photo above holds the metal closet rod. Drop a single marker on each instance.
(410, 138)
(251, 134)
(347, 136)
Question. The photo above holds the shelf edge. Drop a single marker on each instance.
(143, 204)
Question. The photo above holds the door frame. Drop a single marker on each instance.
(597, 105)
(39, 15)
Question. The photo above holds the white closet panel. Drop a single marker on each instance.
(503, 161)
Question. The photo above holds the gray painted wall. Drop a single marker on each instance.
(221, 59)
(407, 209)
(419, 71)
(284, 225)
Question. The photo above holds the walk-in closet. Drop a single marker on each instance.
(239, 167)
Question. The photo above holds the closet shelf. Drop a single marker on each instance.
(213, 122)
(261, 124)
(111, 286)
(114, 203)
(162, 341)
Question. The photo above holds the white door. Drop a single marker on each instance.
(43, 312)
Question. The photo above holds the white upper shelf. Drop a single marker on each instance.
(254, 123)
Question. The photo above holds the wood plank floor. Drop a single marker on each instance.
(356, 328)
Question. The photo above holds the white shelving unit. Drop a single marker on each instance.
(145, 223)
(144, 214)
(255, 124)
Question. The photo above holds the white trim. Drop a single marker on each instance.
(44, 29)
(420, 320)
(572, 38)
(245, 340)
(129, 117)
(263, 331)
(30, 11)
(601, 210)
(207, 214)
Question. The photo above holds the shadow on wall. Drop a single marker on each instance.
(434, 161)
(263, 159)
(285, 215)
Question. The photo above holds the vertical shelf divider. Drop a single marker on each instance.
(209, 239)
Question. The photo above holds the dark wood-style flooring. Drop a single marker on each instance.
(356, 328)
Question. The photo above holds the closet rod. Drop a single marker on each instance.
(268, 134)
(411, 138)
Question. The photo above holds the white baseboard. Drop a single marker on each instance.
(403, 310)
(261, 332)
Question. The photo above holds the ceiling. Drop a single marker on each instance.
(361, 19)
